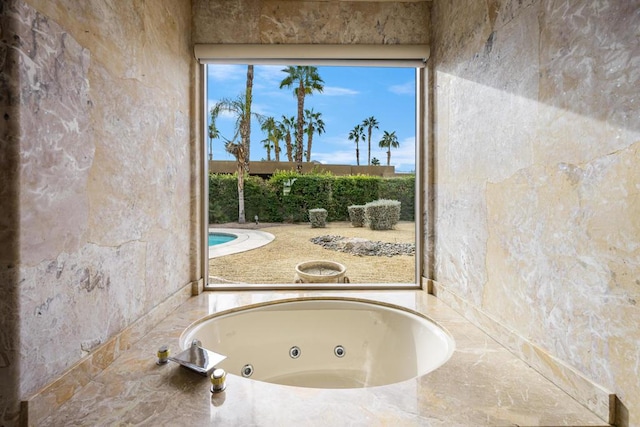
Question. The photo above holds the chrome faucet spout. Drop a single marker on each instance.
(198, 358)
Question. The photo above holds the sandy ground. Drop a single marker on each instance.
(275, 262)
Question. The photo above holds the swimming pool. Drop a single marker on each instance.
(219, 238)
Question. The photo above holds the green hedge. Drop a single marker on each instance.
(223, 199)
(402, 189)
(267, 198)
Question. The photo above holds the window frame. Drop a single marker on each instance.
(410, 56)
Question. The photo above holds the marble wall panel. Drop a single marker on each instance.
(68, 306)
(461, 251)
(106, 197)
(537, 134)
(295, 22)
(56, 145)
(9, 218)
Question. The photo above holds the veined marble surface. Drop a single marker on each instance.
(482, 384)
(537, 135)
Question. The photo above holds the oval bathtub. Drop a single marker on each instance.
(324, 342)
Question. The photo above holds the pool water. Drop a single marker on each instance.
(219, 238)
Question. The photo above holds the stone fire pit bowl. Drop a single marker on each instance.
(320, 272)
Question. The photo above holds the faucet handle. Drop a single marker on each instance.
(218, 378)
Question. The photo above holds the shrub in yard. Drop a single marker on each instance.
(318, 218)
(382, 214)
(356, 215)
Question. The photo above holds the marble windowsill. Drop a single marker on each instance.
(482, 384)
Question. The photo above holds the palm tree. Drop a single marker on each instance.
(274, 136)
(370, 123)
(241, 108)
(375, 161)
(285, 126)
(314, 124)
(238, 151)
(357, 134)
(245, 130)
(214, 133)
(389, 140)
(268, 145)
(305, 80)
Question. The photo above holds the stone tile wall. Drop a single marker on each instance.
(303, 21)
(99, 116)
(537, 140)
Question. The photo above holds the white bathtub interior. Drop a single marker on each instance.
(294, 342)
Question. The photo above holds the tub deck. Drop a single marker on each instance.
(482, 384)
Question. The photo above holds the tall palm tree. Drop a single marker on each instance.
(214, 133)
(314, 124)
(268, 146)
(304, 80)
(388, 141)
(286, 126)
(274, 136)
(357, 135)
(241, 108)
(238, 151)
(245, 129)
(370, 123)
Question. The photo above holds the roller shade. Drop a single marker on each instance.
(382, 55)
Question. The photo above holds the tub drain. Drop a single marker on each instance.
(247, 370)
(339, 351)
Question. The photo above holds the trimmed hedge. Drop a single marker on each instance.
(402, 189)
(288, 196)
(356, 215)
(318, 218)
(382, 214)
(223, 199)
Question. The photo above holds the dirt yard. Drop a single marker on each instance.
(275, 262)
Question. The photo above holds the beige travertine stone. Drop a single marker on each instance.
(537, 133)
(296, 22)
(106, 180)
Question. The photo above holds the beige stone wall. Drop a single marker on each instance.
(537, 122)
(106, 172)
(304, 21)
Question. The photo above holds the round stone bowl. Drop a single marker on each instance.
(321, 272)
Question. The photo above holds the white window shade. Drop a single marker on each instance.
(383, 55)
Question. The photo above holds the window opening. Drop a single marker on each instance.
(357, 121)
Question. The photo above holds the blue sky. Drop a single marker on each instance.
(351, 94)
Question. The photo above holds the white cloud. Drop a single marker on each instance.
(339, 157)
(403, 157)
(225, 72)
(408, 88)
(338, 91)
(270, 75)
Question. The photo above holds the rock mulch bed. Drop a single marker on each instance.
(364, 247)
